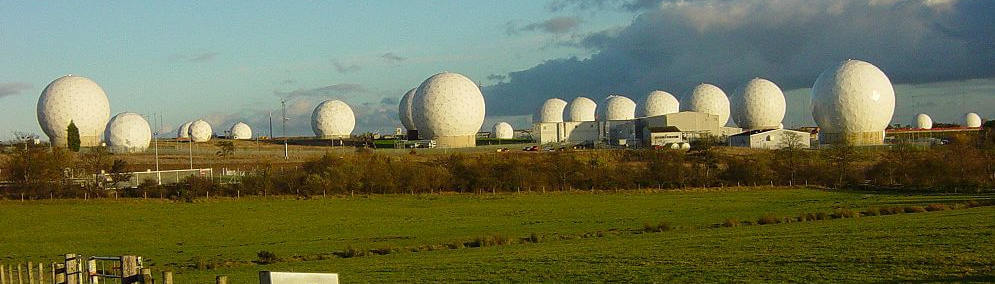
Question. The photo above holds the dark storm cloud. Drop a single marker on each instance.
(13, 88)
(343, 68)
(393, 58)
(336, 91)
(557, 25)
(681, 44)
(496, 77)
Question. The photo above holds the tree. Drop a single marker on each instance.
(72, 137)
(93, 161)
(225, 149)
(842, 156)
(788, 153)
(119, 173)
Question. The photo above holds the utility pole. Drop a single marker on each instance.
(286, 147)
(157, 120)
(270, 124)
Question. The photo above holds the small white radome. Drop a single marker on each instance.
(923, 121)
(184, 130)
(618, 107)
(200, 131)
(972, 120)
(582, 109)
(660, 103)
(404, 110)
(240, 131)
(333, 118)
(503, 130)
(127, 132)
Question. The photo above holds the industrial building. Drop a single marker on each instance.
(644, 131)
(771, 139)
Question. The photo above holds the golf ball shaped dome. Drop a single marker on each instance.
(128, 132)
(404, 110)
(448, 105)
(200, 131)
(582, 109)
(73, 99)
(240, 131)
(333, 118)
(708, 98)
(619, 108)
(660, 103)
(759, 104)
(552, 110)
(503, 130)
(853, 97)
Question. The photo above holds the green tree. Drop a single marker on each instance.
(72, 137)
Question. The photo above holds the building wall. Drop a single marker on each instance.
(456, 141)
(772, 139)
(854, 138)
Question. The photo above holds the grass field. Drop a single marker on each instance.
(582, 236)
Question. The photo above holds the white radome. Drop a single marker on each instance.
(552, 110)
(660, 103)
(184, 130)
(708, 98)
(759, 104)
(404, 110)
(853, 97)
(923, 121)
(503, 130)
(77, 99)
(582, 109)
(448, 105)
(240, 131)
(200, 131)
(333, 119)
(127, 132)
(619, 108)
(972, 120)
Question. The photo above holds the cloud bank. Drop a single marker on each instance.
(675, 45)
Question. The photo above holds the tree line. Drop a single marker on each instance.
(967, 163)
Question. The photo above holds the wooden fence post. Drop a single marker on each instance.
(222, 279)
(41, 273)
(20, 274)
(147, 276)
(2, 276)
(58, 273)
(73, 269)
(129, 269)
(31, 273)
(91, 271)
(167, 277)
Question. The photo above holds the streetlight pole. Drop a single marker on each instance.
(286, 147)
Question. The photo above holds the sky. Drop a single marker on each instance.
(226, 62)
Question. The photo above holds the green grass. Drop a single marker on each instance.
(228, 234)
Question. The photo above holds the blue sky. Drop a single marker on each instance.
(228, 61)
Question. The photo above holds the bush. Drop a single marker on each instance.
(532, 238)
(873, 211)
(661, 227)
(768, 219)
(937, 207)
(351, 252)
(914, 209)
(266, 257)
(730, 222)
(844, 213)
(486, 241)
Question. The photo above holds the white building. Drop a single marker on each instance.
(770, 139)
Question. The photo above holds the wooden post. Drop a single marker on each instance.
(41, 273)
(147, 276)
(58, 273)
(73, 267)
(129, 269)
(222, 279)
(167, 277)
(31, 273)
(91, 271)
(3, 277)
(20, 274)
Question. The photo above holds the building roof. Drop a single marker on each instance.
(752, 132)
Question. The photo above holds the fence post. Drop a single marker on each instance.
(41, 273)
(167, 277)
(20, 274)
(2, 276)
(31, 273)
(57, 276)
(147, 276)
(129, 269)
(72, 270)
(222, 279)
(91, 271)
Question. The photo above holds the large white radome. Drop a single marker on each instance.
(758, 105)
(972, 120)
(923, 121)
(448, 105)
(77, 99)
(552, 110)
(184, 130)
(853, 97)
(503, 130)
(582, 109)
(708, 98)
(619, 108)
(404, 110)
(333, 118)
(240, 131)
(201, 131)
(660, 103)
(128, 132)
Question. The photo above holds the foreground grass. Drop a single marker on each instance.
(224, 236)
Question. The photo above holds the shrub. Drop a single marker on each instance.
(914, 209)
(532, 238)
(844, 213)
(351, 252)
(937, 207)
(972, 203)
(661, 227)
(730, 222)
(486, 241)
(266, 257)
(873, 211)
(821, 216)
(768, 219)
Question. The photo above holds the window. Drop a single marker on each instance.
(768, 138)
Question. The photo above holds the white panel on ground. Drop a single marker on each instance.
(270, 277)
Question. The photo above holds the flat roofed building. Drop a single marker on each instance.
(770, 139)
